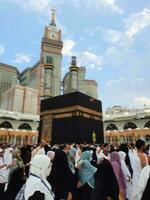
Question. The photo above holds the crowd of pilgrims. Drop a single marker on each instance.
(75, 172)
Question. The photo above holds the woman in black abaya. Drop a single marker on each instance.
(61, 177)
(106, 185)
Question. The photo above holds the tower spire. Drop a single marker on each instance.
(53, 17)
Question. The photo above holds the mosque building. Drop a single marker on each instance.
(22, 92)
(124, 125)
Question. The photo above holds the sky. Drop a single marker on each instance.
(110, 37)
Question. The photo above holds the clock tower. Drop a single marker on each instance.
(51, 56)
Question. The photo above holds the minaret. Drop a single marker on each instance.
(74, 74)
(51, 57)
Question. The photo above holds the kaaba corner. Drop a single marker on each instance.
(71, 118)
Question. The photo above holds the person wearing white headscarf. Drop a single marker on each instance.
(126, 174)
(38, 150)
(37, 183)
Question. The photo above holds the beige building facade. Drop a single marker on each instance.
(20, 99)
(18, 128)
(122, 124)
(9, 76)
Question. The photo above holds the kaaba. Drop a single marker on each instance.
(71, 118)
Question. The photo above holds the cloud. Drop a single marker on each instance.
(112, 5)
(142, 101)
(22, 58)
(87, 58)
(90, 60)
(68, 47)
(113, 36)
(97, 5)
(136, 22)
(118, 39)
(123, 50)
(2, 50)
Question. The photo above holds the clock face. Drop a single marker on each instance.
(53, 35)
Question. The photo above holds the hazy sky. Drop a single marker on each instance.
(110, 37)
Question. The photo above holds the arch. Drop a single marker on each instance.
(25, 126)
(111, 127)
(147, 124)
(6, 125)
(129, 125)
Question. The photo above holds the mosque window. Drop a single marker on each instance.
(49, 59)
(25, 126)
(111, 127)
(6, 125)
(129, 125)
(147, 125)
